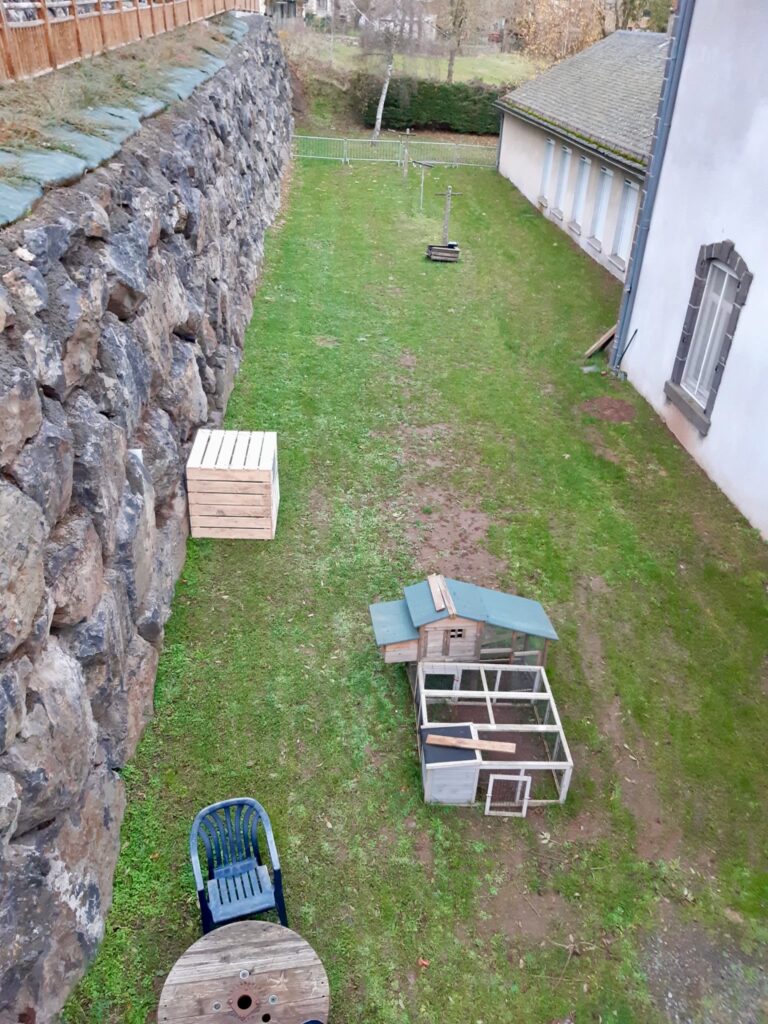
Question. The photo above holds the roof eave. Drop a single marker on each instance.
(626, 160)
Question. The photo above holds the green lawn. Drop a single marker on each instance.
(270, 684)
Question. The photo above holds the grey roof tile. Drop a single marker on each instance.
(607, 94)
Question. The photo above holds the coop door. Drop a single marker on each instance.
(508, 795)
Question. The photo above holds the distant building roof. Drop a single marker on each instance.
(399, 621)
(606, 95)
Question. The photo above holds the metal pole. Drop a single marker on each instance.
(447, 214)
(421, 197)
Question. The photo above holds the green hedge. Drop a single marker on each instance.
(423, 103)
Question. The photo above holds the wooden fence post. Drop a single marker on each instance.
(48, 33)
(5, 38)
(100, 10)
(78, 36)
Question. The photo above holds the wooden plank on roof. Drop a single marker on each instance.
(451, 607)
(436, 592)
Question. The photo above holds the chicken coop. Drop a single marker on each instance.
(442, 619)
(489, 734)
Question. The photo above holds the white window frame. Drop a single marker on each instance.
(600, 209)
(699, 392)
(625, 222)
(580, 192)
(546, 170)
(563, 171)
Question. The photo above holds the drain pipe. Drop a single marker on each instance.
(678, 44)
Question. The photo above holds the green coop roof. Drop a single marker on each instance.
(399, 621)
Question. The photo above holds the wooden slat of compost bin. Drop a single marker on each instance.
(253, 455)
(246, 487)
(257, 502)
(246, 521)
(210, 459)
(198, 449)
(232, 533)
(257, 512)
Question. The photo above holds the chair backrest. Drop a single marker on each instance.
(228, 832)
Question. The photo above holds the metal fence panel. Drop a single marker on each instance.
(389, 150)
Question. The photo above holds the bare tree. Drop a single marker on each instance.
(458, 25)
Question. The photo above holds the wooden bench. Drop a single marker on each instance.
(233, 484)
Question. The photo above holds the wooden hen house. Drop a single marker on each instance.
(442, 619)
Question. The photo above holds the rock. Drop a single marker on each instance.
(41, 627)
(27, 285)
(100, 643)
(182, 395)
(94, 221)
(43, 470)
(73, 569)
(10, 804)
(80, 309)
(54, 749)
(160, 452)
(126, 262)
(52, 918)
(135, 549)
(7, 316)
(13, 689)
(43, 354)
(20, 410)
(131, 707)
(48, 243)
(99, 467)
(121, 386)
(22, 532)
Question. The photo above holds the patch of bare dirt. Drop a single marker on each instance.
(695, 978)
(599, 447)
(530, 917)
(613, 410)
(408, 360)
(422, 845)
(658, 837)
(325, 341)
(449, 537)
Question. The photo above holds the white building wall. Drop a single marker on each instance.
(521, 159)
(713, 187)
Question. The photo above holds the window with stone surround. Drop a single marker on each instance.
(720, 289)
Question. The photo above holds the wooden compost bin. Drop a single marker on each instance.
(233, 484)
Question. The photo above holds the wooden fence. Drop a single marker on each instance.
(39, 35)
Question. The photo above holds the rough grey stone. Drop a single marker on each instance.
(10, 805)
(20, 411)
(27, 286)
(94, 220)
(121, 385)
(22, 533)
(48, 243)
(7, 316)
(182, 395)
(160, 452)
(13, 688)
(131, 706)
(43, 469)
(73, 569)
(43, 353)
(52, 918)
(53, 751)
(99, 468)
(126, 262)
(135, 549)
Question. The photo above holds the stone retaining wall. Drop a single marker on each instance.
(123, 305)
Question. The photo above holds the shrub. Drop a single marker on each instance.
(423, 103)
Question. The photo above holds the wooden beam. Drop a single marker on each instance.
(495, 746)
(602, 341)
(436, 592)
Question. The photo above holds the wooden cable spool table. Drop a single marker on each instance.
(250, 971)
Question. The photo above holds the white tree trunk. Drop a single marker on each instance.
(383, 97)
